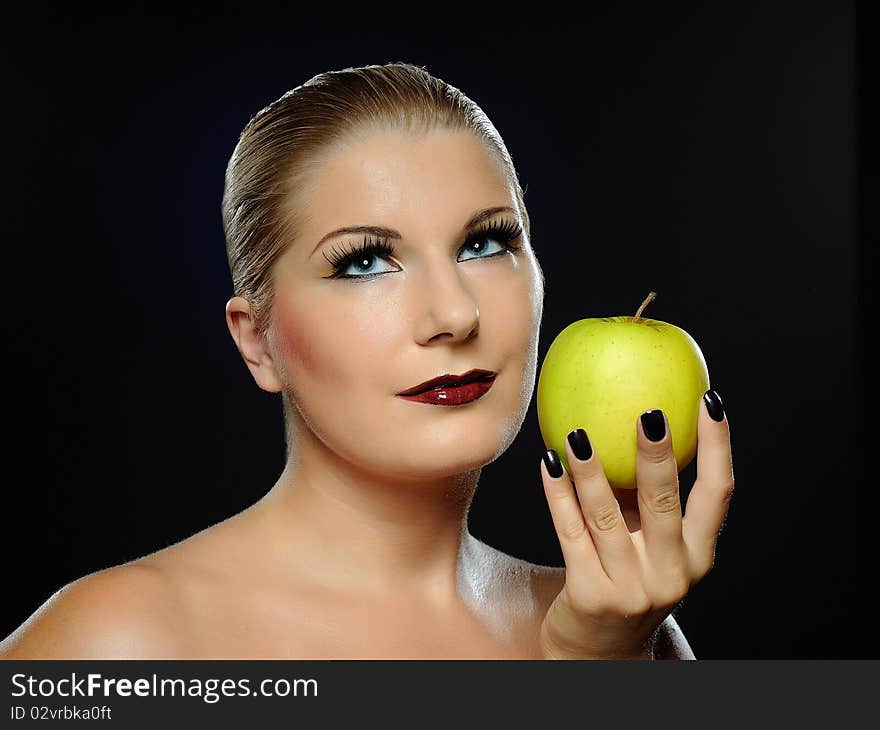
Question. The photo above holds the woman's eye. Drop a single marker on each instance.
(477, 245)
(361, 265)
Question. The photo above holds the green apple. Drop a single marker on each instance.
(600, 374)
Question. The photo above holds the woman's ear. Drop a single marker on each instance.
(256, 355)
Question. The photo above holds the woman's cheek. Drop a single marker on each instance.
(296, 341)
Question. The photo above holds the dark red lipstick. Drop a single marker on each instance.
(450, 389)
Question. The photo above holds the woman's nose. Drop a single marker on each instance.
(447, 306)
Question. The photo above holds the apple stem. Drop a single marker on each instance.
(648, 299)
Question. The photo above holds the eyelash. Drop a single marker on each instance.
(504, 233)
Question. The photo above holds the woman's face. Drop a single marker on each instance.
(345, 347)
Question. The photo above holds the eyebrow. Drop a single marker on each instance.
(381, 232)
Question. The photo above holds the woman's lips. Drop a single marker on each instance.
(456, 396)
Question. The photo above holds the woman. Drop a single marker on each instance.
(377, 239)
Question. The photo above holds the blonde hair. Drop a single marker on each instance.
(285, 141)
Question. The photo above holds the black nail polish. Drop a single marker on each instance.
(580, 444)
(714, 405)
(654, 425)
(551, 461)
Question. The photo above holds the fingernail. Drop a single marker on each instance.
(714, 405)
(654, 425)
(580, 444)
(551, 461)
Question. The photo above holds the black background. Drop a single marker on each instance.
(705, 151)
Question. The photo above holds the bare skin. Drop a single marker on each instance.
(218, 595)
(361, 548)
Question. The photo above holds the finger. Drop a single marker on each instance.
(601, 512)
(578, 551)
(710, 496)
(659, 502)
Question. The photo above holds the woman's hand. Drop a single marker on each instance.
(620, 584)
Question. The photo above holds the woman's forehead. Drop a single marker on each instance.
(384, 167)
(432, 183)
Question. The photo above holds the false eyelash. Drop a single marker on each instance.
(340, 260)
(505, 233)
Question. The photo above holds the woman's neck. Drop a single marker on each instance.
(371, 535)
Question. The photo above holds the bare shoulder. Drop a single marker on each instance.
(127, 611)
(671, 642)
(545, 581)
(141, 609)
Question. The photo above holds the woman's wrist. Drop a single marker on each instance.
(644, 656)
(550, 650)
